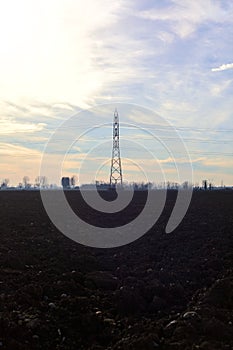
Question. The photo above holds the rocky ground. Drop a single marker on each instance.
(164, 291)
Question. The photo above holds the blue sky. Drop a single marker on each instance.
(172, 57)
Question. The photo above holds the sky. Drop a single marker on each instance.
(159, 62)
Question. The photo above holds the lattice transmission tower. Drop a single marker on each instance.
(116, 171)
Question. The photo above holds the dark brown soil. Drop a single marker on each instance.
(164, 291)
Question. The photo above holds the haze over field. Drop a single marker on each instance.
(172, 57)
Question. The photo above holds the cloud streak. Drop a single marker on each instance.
(8, 126)
(223, 67)
(184, 17)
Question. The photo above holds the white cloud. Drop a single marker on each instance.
(186, 16)
(178, 107)
(223, 67)
(46, 49)
(218, 89)
(8, 126)
(166, 37)
(218, 162)
(6, 149)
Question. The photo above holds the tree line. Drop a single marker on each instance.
(39, 182)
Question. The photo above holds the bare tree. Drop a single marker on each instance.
(204, 184)
(26, 181)
(41, 181)
(185, 185)
(5, 183)
(44, 182)
(73, 180)
(37, 181)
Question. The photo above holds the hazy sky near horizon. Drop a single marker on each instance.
(174, 57)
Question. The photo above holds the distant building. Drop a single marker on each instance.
(65, 181)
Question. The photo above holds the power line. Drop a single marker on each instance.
(214, 141)
(28, 155)
(147, 127)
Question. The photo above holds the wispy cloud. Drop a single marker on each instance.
(6, 149)
(218, 89)
(184, 16)
(223, 67)
(8, 126)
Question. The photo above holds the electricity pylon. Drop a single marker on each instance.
(116, 171)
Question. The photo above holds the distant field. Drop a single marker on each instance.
(57, 294)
